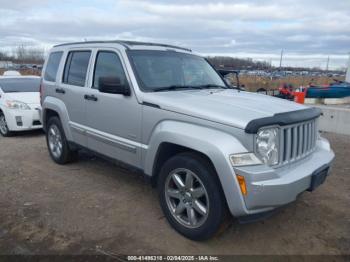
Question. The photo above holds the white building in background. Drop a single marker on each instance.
(6, 64)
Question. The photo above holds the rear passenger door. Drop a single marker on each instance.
(72, 89)
(114, 120)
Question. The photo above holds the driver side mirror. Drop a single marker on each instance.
(113, 85)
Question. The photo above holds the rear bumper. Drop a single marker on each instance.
(21, 120)
(270, 188)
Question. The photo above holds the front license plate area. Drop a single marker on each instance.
(318, 178)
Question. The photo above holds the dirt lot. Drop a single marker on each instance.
(93, 206)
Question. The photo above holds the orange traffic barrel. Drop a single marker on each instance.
(299, 96)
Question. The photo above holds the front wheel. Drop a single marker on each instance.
(4, 130)
(57, 143)
(191, 196)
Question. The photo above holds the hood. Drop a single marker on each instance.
(230, 107)
(26, 97)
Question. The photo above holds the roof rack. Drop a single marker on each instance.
(126, 44)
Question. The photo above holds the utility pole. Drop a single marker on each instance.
(281, 59)
(327, 64)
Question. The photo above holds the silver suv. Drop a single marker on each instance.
(165, 111)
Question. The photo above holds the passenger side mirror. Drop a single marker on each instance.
(113, 85)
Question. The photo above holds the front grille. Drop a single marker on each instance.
(297, 141)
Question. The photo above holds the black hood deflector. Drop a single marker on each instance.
(283, 119)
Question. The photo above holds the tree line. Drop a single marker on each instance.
(24, 55)
(237, 63)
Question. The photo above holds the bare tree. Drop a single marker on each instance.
(24, 54)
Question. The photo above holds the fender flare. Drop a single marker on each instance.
(59, 107)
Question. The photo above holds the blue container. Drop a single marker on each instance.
(336, 90)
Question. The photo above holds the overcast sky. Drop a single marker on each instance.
(308, 30)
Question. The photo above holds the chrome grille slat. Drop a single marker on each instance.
(304, 139)
(311, 135)
(297, 141)
(300, 140)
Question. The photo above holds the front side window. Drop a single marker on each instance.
(76, 68)
(20, 85)
(158, 70)
(108, 64)
(52, 66)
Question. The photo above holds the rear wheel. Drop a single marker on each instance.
(191, 196)
(57, 143)
(4, 131)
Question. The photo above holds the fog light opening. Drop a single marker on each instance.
(242, 185)
(19, 121)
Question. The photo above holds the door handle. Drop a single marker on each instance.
(60, 91)
(90, 97)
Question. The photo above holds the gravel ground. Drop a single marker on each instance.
(93, 206)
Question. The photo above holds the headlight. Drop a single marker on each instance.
(17, 105)
(267, 145)
(244, 159)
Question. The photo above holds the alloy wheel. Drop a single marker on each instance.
(55, 141)
(3, 125)
(187, 198)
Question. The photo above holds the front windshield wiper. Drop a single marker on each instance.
(177, 87)
(174, 87)
(211, 86)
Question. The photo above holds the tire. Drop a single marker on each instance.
(189, 199)
(57, 143)
(4, 130)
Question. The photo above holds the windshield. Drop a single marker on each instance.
(170, 70)
(11, 85)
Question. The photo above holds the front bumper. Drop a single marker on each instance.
(21, 120)
(269, 188)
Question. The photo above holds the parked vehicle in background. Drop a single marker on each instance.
(19, 104)
(11, 73)
(165, 111)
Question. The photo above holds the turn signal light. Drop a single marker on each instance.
(242, 185)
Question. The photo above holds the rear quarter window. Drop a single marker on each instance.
(52, 66)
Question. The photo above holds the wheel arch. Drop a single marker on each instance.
(167, 150)
(55, 107)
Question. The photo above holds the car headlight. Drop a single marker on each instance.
(17, 105)
(266, 145)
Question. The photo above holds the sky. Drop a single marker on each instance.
(307, 30)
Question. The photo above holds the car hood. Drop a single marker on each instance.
(26, 97)
(230, 107)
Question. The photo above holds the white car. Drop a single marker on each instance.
(19, 104)
(11, 73)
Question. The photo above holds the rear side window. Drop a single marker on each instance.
(76, 68)
(52, 66)
(108, 64)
